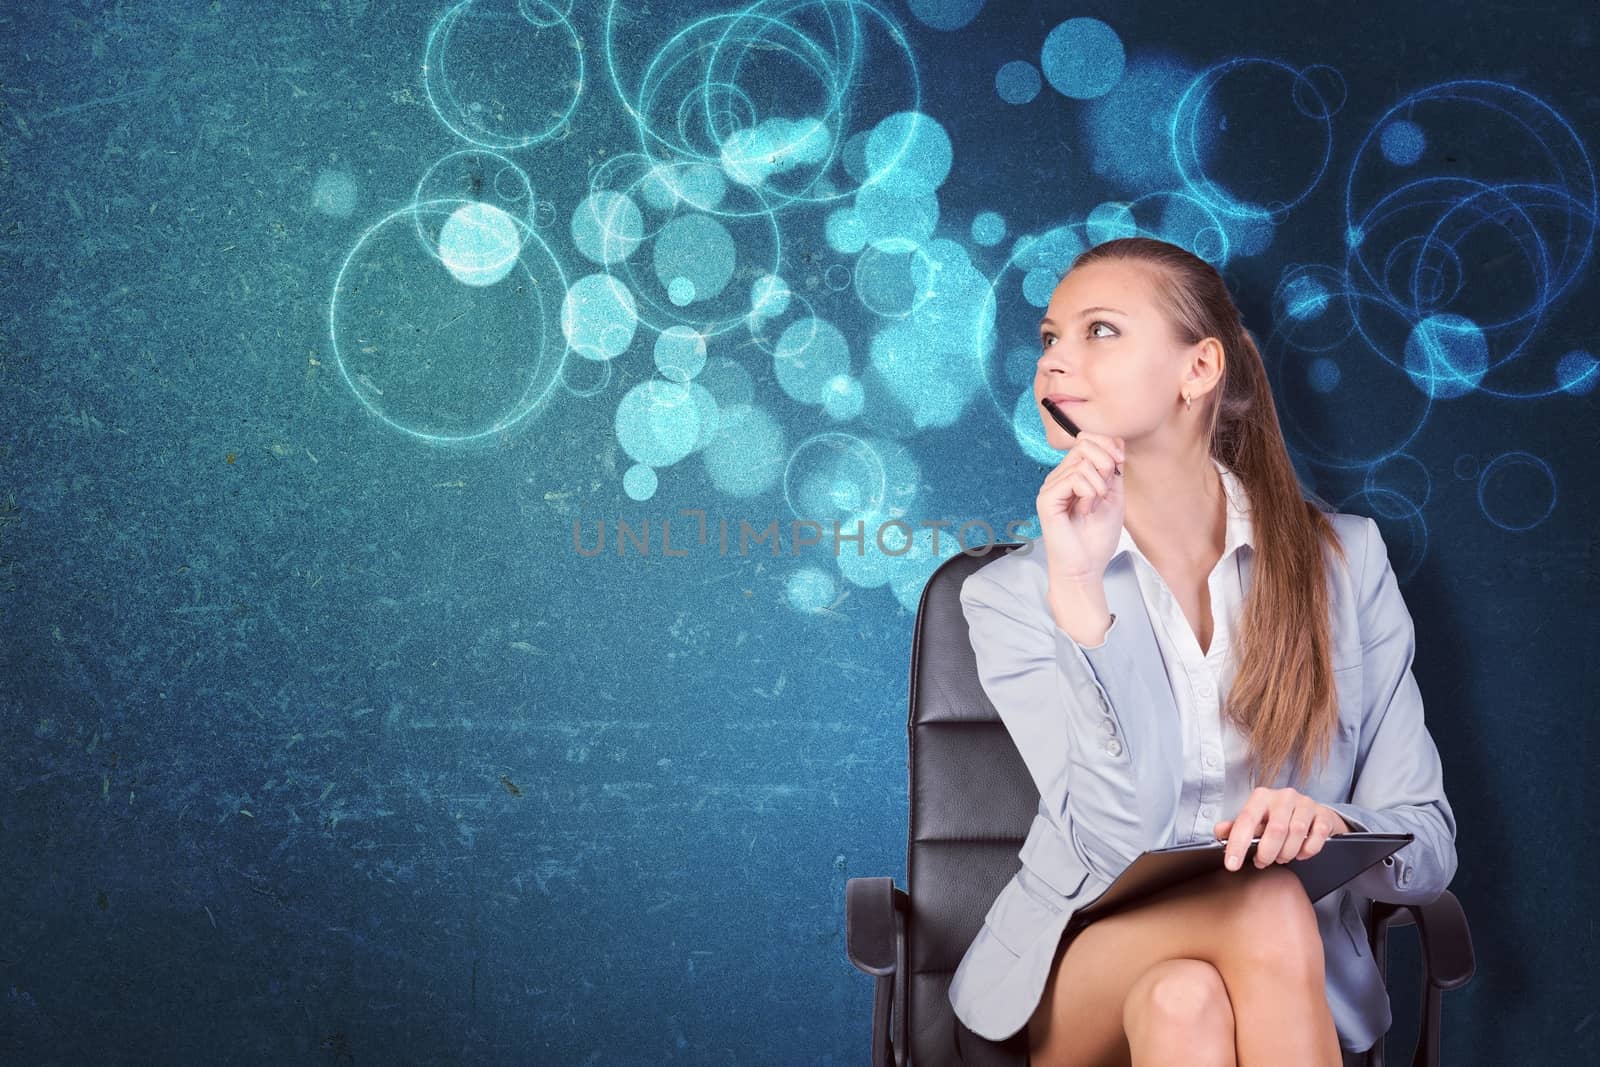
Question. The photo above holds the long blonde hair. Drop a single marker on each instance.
(1283, 696)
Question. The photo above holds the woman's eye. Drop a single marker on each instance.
(1097, 322)
(1045, 339)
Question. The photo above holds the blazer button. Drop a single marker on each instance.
(1108, 727)
(1114, 747)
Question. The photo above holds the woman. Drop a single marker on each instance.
(1192, 626)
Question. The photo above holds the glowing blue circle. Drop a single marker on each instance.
(1323, 375)
(834, 477)
(334, 193)
(1017, 82)
(599, 317)
(476, 72)
(746, 456)
(658, 423)
(809, 589)
(680, 353)
(1403, 142)
(1446, 355)
(479, 244)
(640, 482)
(988, 229)
(945, 14)
(1576, 372)
(430, 382)
(1083, 58)
(1521, 493)
(909, 153)
(1210, 135)
(1304, 298)
(844, 231)
(810, 353)
(607, 227)
(696, 249)
(769, 296)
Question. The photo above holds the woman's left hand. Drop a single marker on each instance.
(1296, 827)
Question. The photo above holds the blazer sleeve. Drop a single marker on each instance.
(1047, 691)
(1399, 780)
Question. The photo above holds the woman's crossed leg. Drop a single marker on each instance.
(1226, 969)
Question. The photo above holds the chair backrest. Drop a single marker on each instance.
(972, 801)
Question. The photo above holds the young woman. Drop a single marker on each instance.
(1187, 626)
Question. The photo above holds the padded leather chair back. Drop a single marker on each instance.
(972, 801)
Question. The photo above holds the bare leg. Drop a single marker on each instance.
(1178, 1012)
(1274, 970)
(1255, 928)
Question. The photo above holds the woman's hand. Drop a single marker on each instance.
(1296, 827)
(1080, 508)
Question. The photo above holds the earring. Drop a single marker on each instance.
(1187, 403)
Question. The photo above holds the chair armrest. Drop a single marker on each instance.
(1442, 931)
(871, 928)
(1447, 962)
(874, 937)
(1446, 941)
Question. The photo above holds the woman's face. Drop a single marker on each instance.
(1104, 341)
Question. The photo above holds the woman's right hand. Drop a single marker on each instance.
(1080, 507)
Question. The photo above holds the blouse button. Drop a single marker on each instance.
(1108, 727)
(1114, 747)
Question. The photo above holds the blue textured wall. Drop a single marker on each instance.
(321, 325)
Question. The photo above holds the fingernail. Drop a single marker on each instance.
(1233, 863)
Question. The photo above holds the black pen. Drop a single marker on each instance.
(1060, 416)
(1064, 422)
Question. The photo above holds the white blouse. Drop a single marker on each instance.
(1215, 753)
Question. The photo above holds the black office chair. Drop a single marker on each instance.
(972, 801)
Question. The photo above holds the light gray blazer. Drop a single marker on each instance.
(1098, 729)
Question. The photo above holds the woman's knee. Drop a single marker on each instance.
(1274, 926)
(1184, 999)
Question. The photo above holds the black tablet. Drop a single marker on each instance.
(1343, 856)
